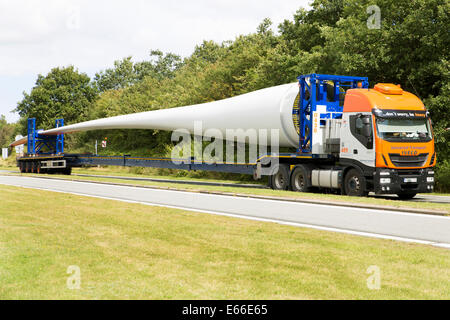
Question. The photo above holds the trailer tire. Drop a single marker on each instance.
(355, 183)
(299, 179)
(21, 167)
(280, 177)
(67, 171)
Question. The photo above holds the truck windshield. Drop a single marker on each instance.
(404, 129)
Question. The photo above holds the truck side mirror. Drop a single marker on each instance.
(366, 120)
(366, 125)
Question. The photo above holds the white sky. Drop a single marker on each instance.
(37, 35)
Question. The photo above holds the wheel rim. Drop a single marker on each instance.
(279, 180)
(354, 184)
(299, 181)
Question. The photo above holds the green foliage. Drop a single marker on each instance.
(7, 132)
(443, 176)
(439, 107)
(126, 73)
(62, 93)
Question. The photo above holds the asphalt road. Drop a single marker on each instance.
(417, 198)
(422, 228)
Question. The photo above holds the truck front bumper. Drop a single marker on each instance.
(395, 181)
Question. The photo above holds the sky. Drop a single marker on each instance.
(37, 35)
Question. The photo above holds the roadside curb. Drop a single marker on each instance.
(254, 196)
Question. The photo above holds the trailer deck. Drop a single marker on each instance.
(62, 163)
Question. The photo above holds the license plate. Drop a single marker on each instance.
(410, 180)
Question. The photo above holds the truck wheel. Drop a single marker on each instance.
(33, 167)
(299, 179)
(355, 184)
(280, 179)
(406, 195)
(269, 182)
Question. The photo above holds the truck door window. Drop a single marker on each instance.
(361, 129)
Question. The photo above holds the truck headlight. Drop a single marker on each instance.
(385, 180)
(430, 179)
(384, 173)
(431, 172)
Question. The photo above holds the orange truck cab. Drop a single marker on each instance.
(388, 132)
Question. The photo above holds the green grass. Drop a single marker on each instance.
(132, 251)
(428, 206)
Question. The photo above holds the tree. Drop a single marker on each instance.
(62, 93)
(7, 131)
(121, 76)
(127, 73)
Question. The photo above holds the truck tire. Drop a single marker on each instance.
(280, 177)
(355, 184)
(269, 182)
(299, 179)
(406, 195)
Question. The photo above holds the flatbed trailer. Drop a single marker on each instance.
(63, 163)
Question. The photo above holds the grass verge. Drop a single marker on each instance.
(134, 251)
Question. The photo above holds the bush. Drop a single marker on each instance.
(443, 176)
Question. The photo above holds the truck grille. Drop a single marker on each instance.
(409, 172)
(408, 161)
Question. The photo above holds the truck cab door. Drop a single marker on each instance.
(357, 139)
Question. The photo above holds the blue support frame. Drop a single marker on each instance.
(38, 143)
(31, 145)
(316, 86)
(59, 137)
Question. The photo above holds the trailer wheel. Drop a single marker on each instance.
(406, 195)
(38, 167)
(299, 179)
(21, 167)
(27, 167)
(280, 178)
(33, 167)
(355, 184)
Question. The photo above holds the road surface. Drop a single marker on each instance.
(417, 198)
(413, 227)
